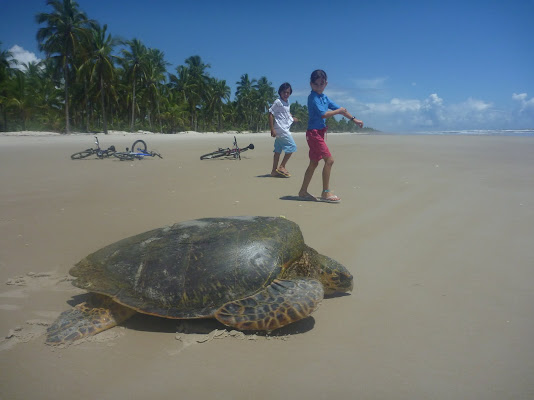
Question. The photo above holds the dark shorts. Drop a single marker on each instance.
(317, 144)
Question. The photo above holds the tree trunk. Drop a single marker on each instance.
(4, 117)
(66, 78)
(102, 98)
(159, 116)
(87, 106)
(133, 107)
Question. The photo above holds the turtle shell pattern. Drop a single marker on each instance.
(191, 269)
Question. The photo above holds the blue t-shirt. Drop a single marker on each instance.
(318, 105)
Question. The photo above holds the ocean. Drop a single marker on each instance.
(476, 132)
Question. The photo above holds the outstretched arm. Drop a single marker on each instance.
(343, 111)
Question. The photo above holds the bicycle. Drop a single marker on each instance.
(235, 152)
(139, 151)
(100, 153)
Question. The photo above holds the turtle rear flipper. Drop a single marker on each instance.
(279, 304)
(87, 319)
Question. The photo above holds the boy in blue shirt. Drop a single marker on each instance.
(321, 107)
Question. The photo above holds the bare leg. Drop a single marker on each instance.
(282, 166)
(328, 162)
(276, 159)
(307, 178)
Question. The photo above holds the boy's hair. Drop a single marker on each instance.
(285, 86)
(318, 74)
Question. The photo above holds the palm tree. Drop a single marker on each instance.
(47, 95)
(154, 79)
(20, 98)
(244, 99)
(6, 59)
(301, 113)
(5, 71)
(101, 65)
(196, 87)
(180, 87)
(220, 93)
(191, 85)
(175, 112)
(244, 86)
(65, 26)
(265, 95)
(133, 62)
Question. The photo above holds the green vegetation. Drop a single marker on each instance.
(93, 81)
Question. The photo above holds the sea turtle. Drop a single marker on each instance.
(250, 273)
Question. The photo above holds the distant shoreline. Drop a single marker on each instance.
(125, 133)
(460, 132)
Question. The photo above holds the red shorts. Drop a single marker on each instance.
(317, 144)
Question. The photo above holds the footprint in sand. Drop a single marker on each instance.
(195, 332)
(20, 287)
(40, 280)
(33, 329)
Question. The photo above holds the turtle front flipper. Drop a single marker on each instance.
(87, 319)
(279, 304)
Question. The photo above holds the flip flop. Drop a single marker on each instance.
(332, 199)
(284, 174)
(329, 199)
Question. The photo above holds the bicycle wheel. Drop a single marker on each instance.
(139, 146)
(82, 154)
(215, 154)
(124, 156)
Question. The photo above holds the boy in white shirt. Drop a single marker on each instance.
(280, 120)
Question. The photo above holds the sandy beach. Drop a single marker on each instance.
(437, 230)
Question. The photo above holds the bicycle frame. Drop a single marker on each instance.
(100, 153)
(235, 151)
(103, 153)
(141, 152)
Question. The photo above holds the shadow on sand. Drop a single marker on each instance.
(298, 198)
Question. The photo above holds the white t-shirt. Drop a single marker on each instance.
(282, 117)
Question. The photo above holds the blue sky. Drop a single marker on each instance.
(397, 65)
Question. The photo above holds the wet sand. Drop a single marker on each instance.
(437, 230)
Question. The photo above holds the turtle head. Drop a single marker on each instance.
(334, 276)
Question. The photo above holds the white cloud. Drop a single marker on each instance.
(477, 105)
(525, 103)
(342, 98)
(22, 56)
(371, 87)
(434, 113)
(519, 97)
(524, 113)
(369, 84)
